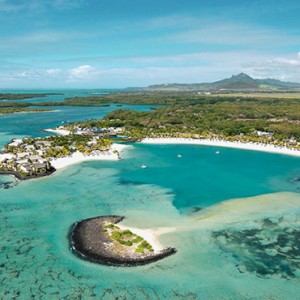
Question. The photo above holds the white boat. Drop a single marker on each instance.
(217, 152)
(143, 166)
(179, 155)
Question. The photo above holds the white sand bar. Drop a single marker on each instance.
(78, 157)
(244, 210)
(220, 143)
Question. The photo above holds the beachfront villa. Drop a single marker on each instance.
(40, 156)
(264, 134)
(29, 162)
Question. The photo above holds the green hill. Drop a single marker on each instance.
(240, 82)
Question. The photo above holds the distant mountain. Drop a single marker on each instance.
(279, 84)
(238, 82)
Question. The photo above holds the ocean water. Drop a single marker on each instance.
(235, 217)
(59, 95)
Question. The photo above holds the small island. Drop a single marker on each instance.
(100, 240)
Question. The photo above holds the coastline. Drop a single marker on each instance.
(58, 131)
(60, 163)
(78, 157)
(19, 176)
(222, 143)
(89, 241)
(150, 235)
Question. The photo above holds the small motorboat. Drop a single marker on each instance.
(179, 155)
(143, 166)
(217, 152)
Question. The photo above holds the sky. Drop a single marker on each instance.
(129, 43)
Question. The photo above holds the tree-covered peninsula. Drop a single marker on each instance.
(13, 107)
(36, 157)
(13, 96)
(247, 119)
(9, 103)
(260, 118)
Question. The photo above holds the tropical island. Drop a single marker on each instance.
(37, 157)
(100, 240)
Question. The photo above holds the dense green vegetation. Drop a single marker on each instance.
(12, 107)
(176, 98)
(10, 110)
(64, 145)
(198, 116)
(10, 96)
(127, 238)
(8, 107)
(131, 98)
(229, 117)
(144, 246)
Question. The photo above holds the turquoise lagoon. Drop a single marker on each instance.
(32, 124)
(235, 216)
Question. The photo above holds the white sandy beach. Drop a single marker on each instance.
(220, 143)
(58, 131)
(150, 235)
(78, 157)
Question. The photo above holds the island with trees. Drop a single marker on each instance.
(101, 241)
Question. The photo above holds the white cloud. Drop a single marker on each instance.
(32, 74)
(84, 72)
(143, 71)
(53, 71)
(286, 61)
(283, 68)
